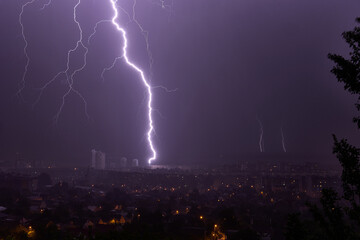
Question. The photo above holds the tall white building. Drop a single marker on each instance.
(123, 162)
(98, 159)
(135, 162)
(93, 157)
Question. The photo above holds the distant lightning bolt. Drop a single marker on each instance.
(69, 76)
(282, 139)
(126, 13)
(23, 79)
(48, 3)
(261, 139)
(142, 75)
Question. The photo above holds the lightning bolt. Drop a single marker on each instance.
(92, 35)
(282, 139)
(95, 29)
(22, 84)
(69, 75)
(261, 139)
(144, 33)
(48, 3)
(143, 79)
(110, 67)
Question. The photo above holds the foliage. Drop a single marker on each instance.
(338, 217)
(347, 71)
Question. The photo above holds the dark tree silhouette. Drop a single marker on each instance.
(347, 71)
(338, 217)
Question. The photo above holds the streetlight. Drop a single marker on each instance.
(203, 220)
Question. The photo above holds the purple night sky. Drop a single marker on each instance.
(231, 61)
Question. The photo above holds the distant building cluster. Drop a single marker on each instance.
(100, 162)
(259, 195)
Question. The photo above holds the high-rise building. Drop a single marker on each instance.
(98, 159)
(123, 162)
(135, 162)
(93, 157)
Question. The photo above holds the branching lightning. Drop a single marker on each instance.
(95, 29)
(165, 89)
(145, 34)
(89, 41)
(69, 75)
(26, 68)
(48, 3)
(261, 139)
(142, 75)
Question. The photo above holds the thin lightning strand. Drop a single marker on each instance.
(110, 67)
(165, 89)
(261, 139)
(95, 29)
(282, 139)
(48, 3)
(23, 79)
(69, 77)
(92, 35)
(145, 82)
(145, 34)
